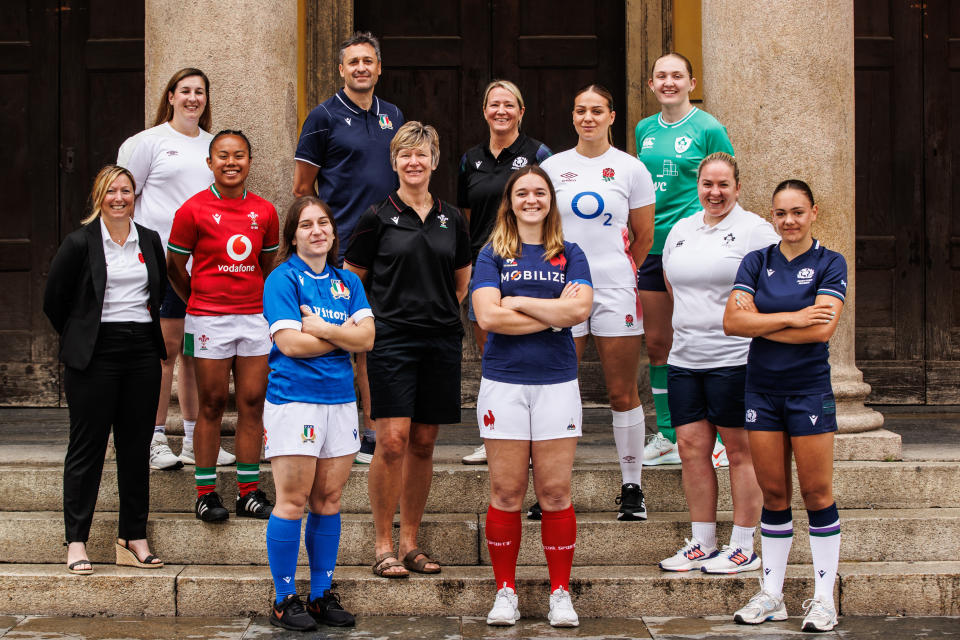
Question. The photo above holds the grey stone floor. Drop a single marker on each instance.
(453, 628)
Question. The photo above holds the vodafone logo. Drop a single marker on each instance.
(239, 247)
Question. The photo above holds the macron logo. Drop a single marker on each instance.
(813, 419)
(396, 219)
(216, 218)
(347, 120)
(479, 162)
(769, 272)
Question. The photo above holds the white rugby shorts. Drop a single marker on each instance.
(529, 411)
(307, 429)
(221, 337)
(615, 312)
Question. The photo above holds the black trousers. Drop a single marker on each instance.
(118, 389)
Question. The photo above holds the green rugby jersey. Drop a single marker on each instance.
(672, 152)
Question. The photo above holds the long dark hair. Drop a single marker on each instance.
(292, 220)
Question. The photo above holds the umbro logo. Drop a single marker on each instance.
(478, 163)
(347, 120)
(769, 272)
(396, 219)
(813, 419)
(216, 218)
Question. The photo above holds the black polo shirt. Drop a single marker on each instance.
(411, 283)
(482, 179)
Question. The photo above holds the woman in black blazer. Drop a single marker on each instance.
(103, 297)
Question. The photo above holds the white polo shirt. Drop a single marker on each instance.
(126, 294)
(700, 262)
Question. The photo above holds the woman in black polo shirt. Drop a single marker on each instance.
(484, 171)
(412, 253)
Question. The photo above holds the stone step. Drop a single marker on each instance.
(899, 588)
(458, 539)
(464, 489)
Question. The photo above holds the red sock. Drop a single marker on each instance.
(558, 531)
(243, 488)
(503, 542)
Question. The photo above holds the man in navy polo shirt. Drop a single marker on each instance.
(343, 156)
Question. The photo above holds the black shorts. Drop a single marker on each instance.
(172, 306)
(415, 376)
(714, 394)
(650, 274)
(799, 415)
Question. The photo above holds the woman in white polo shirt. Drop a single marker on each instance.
(707, 369)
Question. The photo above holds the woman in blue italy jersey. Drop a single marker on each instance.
(318, 315)
(788, 298)
(530, 287)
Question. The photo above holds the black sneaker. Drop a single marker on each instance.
(535, 512)
(632, 504)
(328, 610)
(254, 505)
(365, 455)
(290, 614)
(209, 508)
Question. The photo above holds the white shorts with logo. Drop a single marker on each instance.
(616, 312)
(220, 337)
(532, 412)
(307, 429)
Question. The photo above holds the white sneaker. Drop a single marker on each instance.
(160, 455)
(731, 560)
(561, 610)
(479, 456)
(659, 450)
(761, 608)
(720, 455)
(690, 558)
(224, 458)
(504, 612)
(820, 615)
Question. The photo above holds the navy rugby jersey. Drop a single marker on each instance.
(546, 357)
(779, 285)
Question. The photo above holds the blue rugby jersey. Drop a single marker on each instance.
(337, 296)
(779, 285)
(546, 357)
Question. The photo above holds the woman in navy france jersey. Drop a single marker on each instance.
(317, 315)
(788, 298)
(530, 288)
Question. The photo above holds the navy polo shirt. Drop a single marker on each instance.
(411, 264)
(780, 285)
(482, 178)
(351, 147)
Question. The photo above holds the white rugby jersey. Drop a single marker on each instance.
(700, 262)
(595, 196)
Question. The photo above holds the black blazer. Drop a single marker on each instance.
(73, 299)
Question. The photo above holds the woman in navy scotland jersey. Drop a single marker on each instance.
(530, 287)
(788, 298)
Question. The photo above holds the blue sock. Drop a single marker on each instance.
(322, 539)
(283, 547)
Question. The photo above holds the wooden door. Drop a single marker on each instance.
(941, 81)
(889, 200)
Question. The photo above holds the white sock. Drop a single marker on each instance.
(742, 538)
(705, 533)
(825, 549)
(188, 427)
(160, 428)
(776, 537)
(629, 433)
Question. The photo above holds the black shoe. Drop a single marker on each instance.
(632, 504)
(254, 505)
(327, 610)
(290, 614)
(209, 508)
(535, 512)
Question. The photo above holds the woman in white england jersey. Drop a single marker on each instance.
(605, 196)
(169, 164)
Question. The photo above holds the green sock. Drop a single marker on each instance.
(658, 385)
(248, 477)
(206, 479)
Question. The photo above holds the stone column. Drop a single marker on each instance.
(780, 75)
(249, 52)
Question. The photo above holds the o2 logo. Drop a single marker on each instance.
(587, 197)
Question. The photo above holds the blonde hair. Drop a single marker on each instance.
(725, 158)
(414, 134)
(101, 183)
(507, 86)
(505, 237)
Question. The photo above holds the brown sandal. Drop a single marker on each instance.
(412, 564)
(386, 561)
